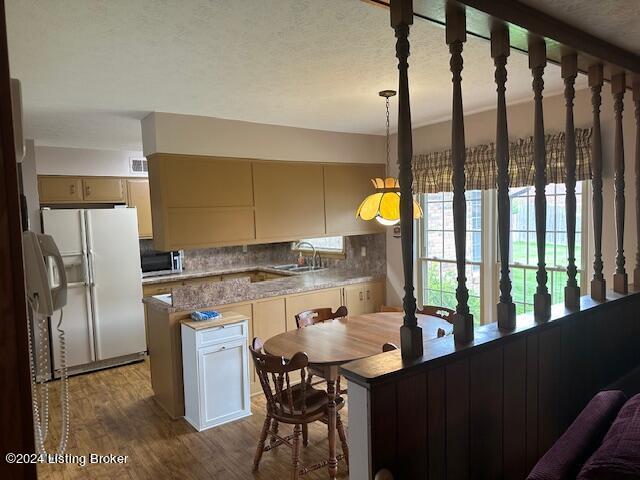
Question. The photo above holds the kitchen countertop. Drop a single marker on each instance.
(211, 294)
(175, 277)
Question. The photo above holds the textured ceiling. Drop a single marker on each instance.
(92, 68)
(616, 21)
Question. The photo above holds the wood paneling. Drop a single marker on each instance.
(138, 196)
(59, 189)
(492, 409)
(345, 187)
(457, 419)
(486, 413)
(412, 420)
(289, 200)
(514, 401)
(437, 424)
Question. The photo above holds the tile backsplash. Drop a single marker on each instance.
(374, 262)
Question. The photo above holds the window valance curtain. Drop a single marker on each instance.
(432, 171)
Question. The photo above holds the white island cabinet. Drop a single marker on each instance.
(215, 367)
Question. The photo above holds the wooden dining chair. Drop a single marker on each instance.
(389, 347)
(440, 312)
(312, 317)
(297, 405)
(319, 315)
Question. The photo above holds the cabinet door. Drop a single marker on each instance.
(159, 288)
(299, 303)
(138, 197)
(269, 318)
(196, 182)
(60, 190)
(345, 187)
(223, 382)
(104, 190)
(374, 296)
(354, 299)
(289, 200)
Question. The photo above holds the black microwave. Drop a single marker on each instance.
(161, 263)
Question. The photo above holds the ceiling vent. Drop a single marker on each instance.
(138, 166)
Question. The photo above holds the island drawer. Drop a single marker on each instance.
(221, 333)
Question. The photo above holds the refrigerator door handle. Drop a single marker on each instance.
(95, 345)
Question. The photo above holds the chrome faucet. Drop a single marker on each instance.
(313, 249)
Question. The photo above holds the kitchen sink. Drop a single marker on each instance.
(296, 269)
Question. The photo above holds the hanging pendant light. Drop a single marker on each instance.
(384, 203)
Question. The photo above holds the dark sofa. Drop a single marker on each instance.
(602, 443)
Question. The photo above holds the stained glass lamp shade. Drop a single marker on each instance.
(384, 203)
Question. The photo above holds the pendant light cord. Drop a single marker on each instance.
(388, 141)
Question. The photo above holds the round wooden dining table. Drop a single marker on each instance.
(333, 343)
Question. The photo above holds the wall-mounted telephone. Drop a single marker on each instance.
(45, 298)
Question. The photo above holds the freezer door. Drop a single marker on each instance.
(77, 328)
(116, 282)
(67, 229)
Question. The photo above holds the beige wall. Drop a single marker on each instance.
(83, 161)
(194, 135)
(480, 128)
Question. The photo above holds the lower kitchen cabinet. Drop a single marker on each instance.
(364, 297)
(216, 373)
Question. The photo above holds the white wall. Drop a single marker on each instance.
(194, 135)
(83, 161)
(481, 128)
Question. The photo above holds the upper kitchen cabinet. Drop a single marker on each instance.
(289, 200)
(199, 202)
(138, 196)
(59, 189)
(104, 190)
(345, 187)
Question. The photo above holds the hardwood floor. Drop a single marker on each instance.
(113, 412)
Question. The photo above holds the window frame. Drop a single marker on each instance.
(490, 259)
(335, 253)
(583, 270)
(422, 261)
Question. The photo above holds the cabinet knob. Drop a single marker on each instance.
(72, 189)
(88, 190)
(368, 295)
(361, 297)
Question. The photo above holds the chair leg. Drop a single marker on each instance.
(305, 434)
(260, 448)
(343, 439)
(296, 452)
(274, 429)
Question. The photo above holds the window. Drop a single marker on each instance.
(437, 256)
(322, 245)
(436, 267)
(523, 253)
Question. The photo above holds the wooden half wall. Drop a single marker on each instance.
(490, 409)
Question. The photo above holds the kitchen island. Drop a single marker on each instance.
(270, 305)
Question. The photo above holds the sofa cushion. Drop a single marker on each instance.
(567, 455)
(619, 455)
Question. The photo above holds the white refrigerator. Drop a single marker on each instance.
(104, 316)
